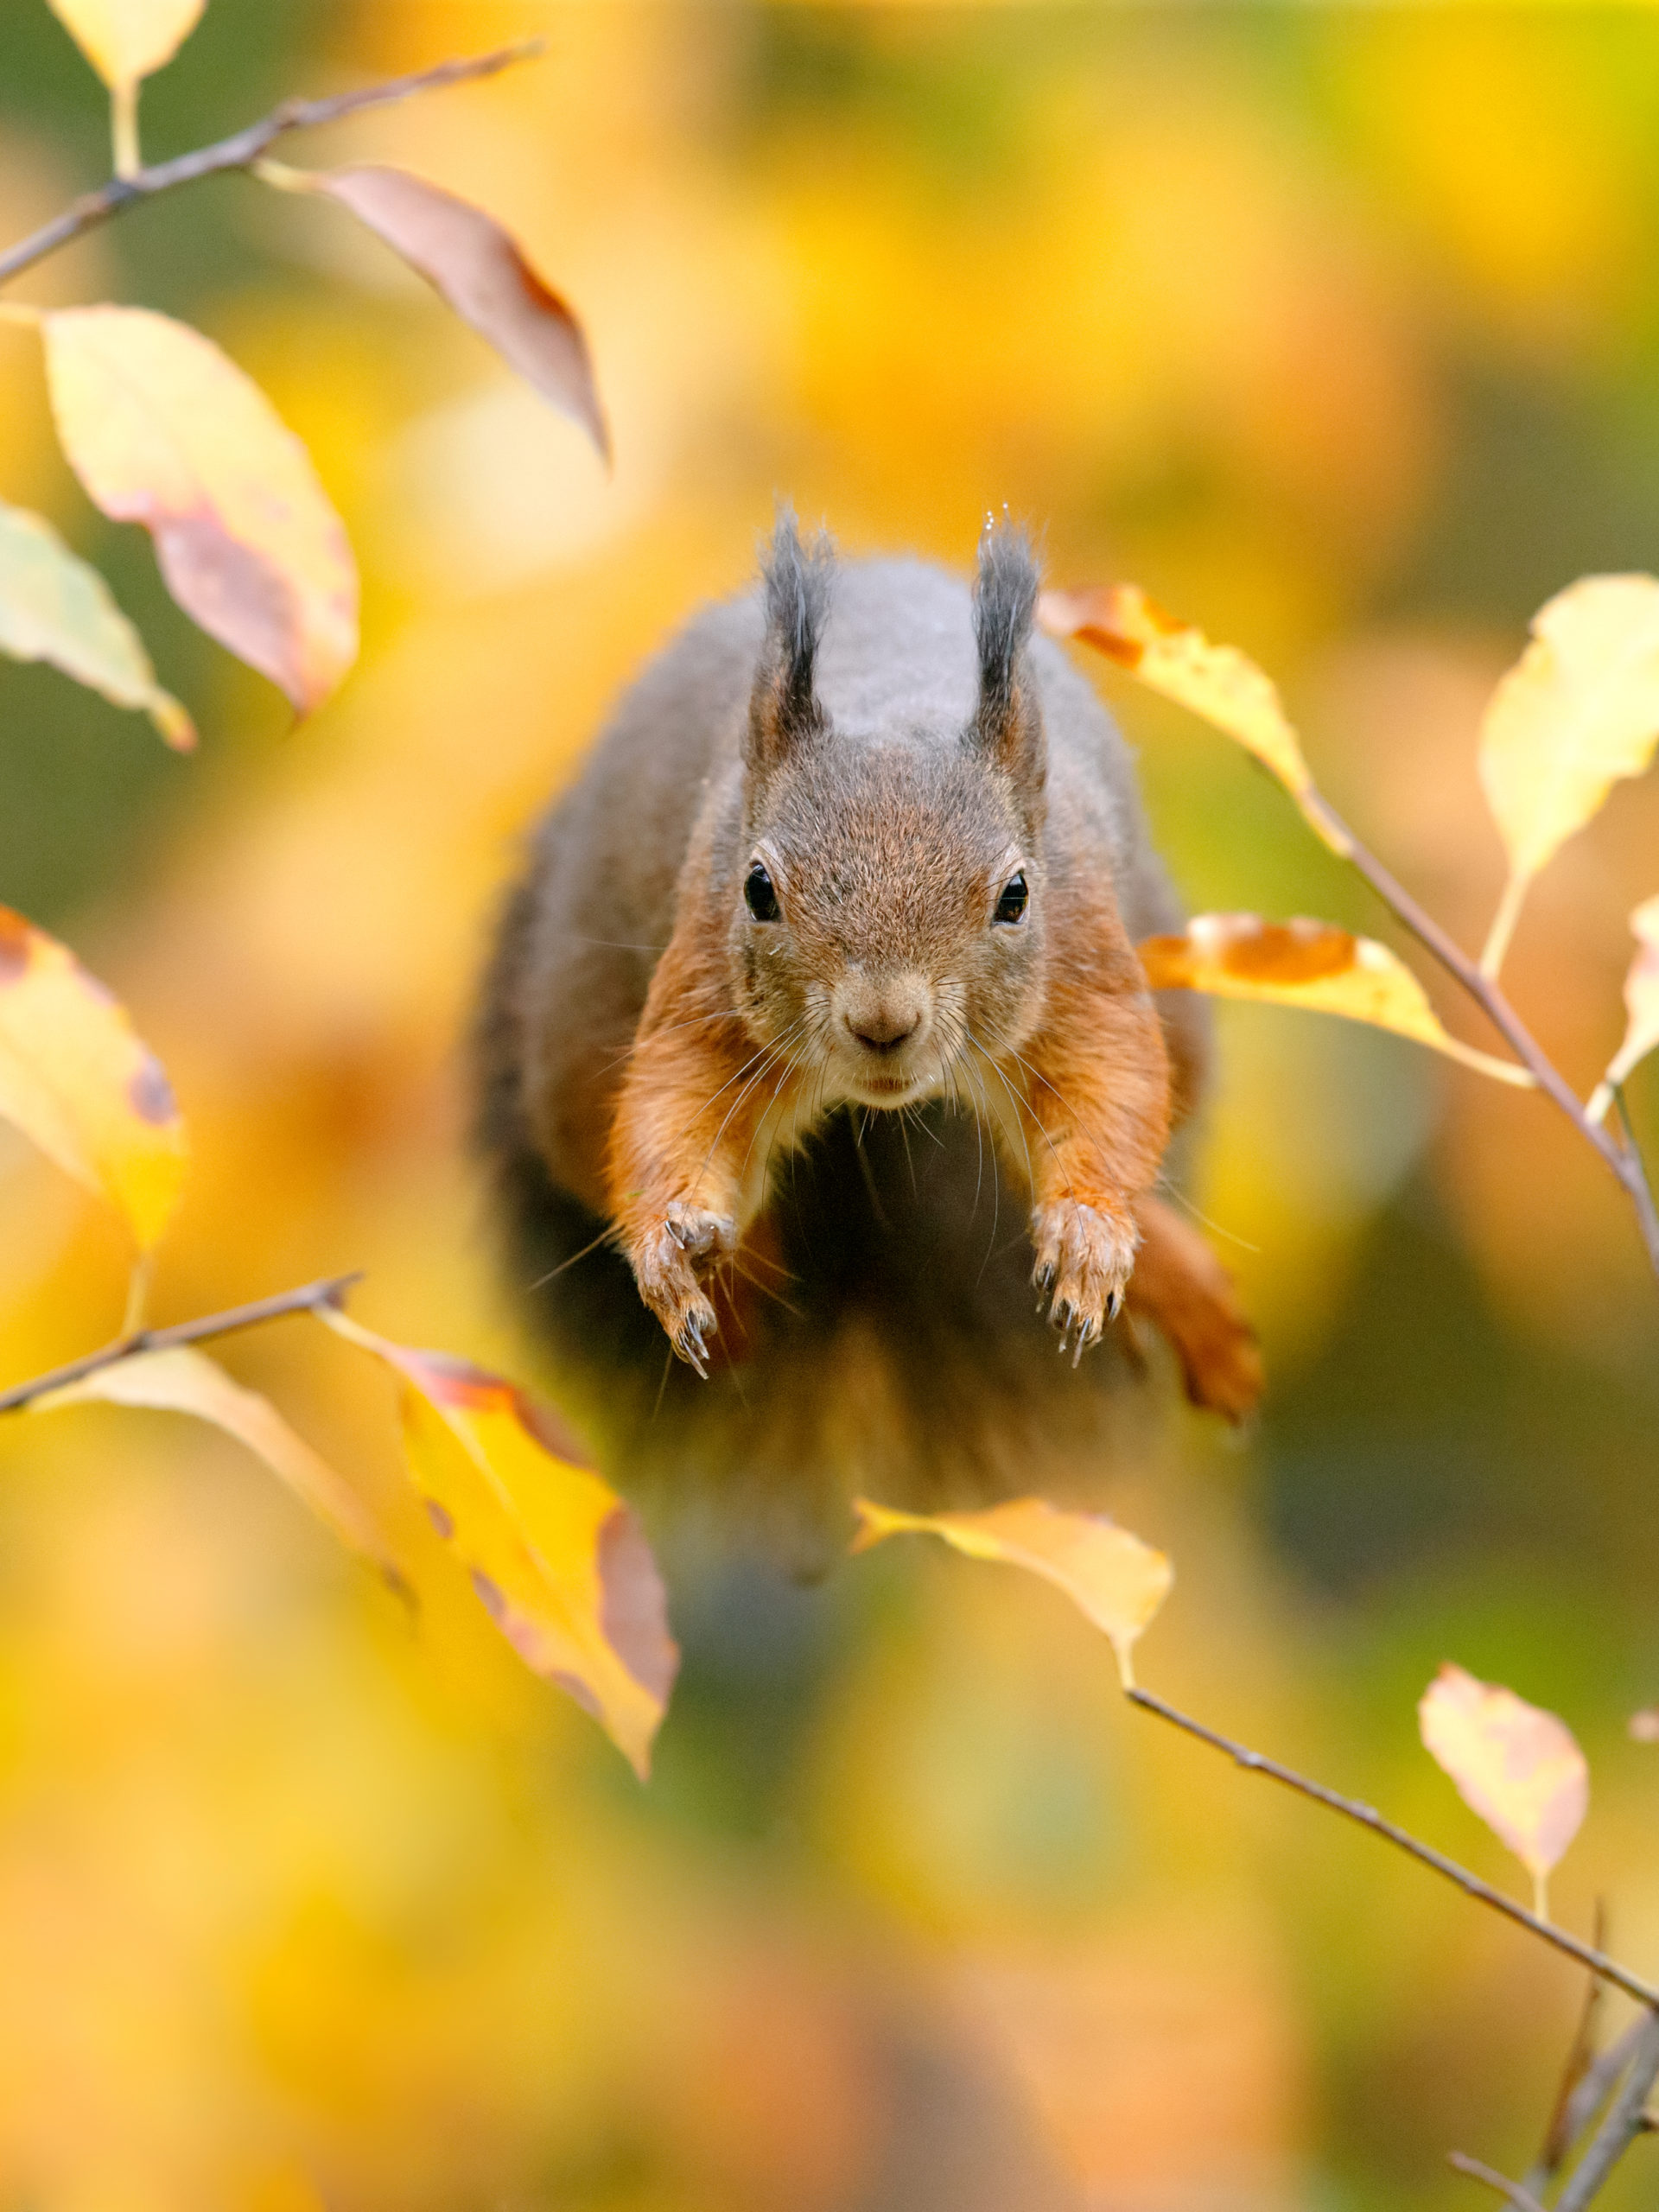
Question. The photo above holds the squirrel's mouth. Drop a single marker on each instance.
(864, 1087)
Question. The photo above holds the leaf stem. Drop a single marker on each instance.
(309, 1298)
(1504, 921)
(124, 128)
(1367, 1816)
(138, 1289)
(242, 150)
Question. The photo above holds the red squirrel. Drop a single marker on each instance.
(858, 853)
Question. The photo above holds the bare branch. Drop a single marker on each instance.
(243, 148)
(1522, 2199)
(1623, 2125)
(306, 1299)
(1490, 997)
(1369, 1817)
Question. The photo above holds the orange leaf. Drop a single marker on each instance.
(1174, 658)
(1311, 964)
(1516, 1766)
(75, 1078)
(162, 429)
(482, 272)
(181, 1380)
(558, 1561)
(1641, 1004)
(1118, 1581)
(125, 39)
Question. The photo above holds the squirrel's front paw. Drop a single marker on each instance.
(669, 1260)
(1083, 1260)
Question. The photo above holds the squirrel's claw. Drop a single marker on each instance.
(691, 1344)
(1083, 1259)
(669, 1262)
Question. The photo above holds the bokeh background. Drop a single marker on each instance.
(1339, 330)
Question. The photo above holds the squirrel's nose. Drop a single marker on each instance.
(886, 1030)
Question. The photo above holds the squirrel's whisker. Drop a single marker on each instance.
(767, 1057)
(606, 1235)
(695, 1020)
(1075, 1119)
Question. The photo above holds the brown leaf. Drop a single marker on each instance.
(1515, 1765)
(162, 429)
(76, 1079)
(1118, 1581)
(1315, 965)
(482, 272)
(556, 1558)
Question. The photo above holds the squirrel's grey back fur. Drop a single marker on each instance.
(905, 1354)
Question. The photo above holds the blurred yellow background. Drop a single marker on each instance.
(1339, 331)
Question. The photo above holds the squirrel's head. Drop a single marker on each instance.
(888, 924)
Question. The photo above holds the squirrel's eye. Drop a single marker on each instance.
(760, 896)
(1011, 906)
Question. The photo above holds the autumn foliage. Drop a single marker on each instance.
(499, 1520)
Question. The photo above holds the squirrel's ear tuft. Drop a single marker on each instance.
(1006, 724)
(797, 580)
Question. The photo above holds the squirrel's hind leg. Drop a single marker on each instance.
(1181, 1287)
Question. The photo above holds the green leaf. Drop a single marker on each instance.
(53, 607)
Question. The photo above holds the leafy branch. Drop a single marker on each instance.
(1515, 1765)
(309, 1298)
(1367, 1816)
(163, 429)
(243, 148)
(1577, 711)
(1620, 1154)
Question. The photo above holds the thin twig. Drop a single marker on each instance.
(1622, 2125)
(1490, 997)
(1522, 2199)
(1582, 2089)
(307, 1299)
(244, 146)
(1369, 1817)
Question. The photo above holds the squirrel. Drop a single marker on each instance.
(859, 854)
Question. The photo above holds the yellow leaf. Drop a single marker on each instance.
(125, 39)
(1311, 964)
(558, 1561)
(482, 272)
(162, 429)
(1580, 709)
(1641, 1005)
(185, 1382)
(1219, 681)
(1516, 1766)
(1118, 1581)
(75, 1078)
(55, 608)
